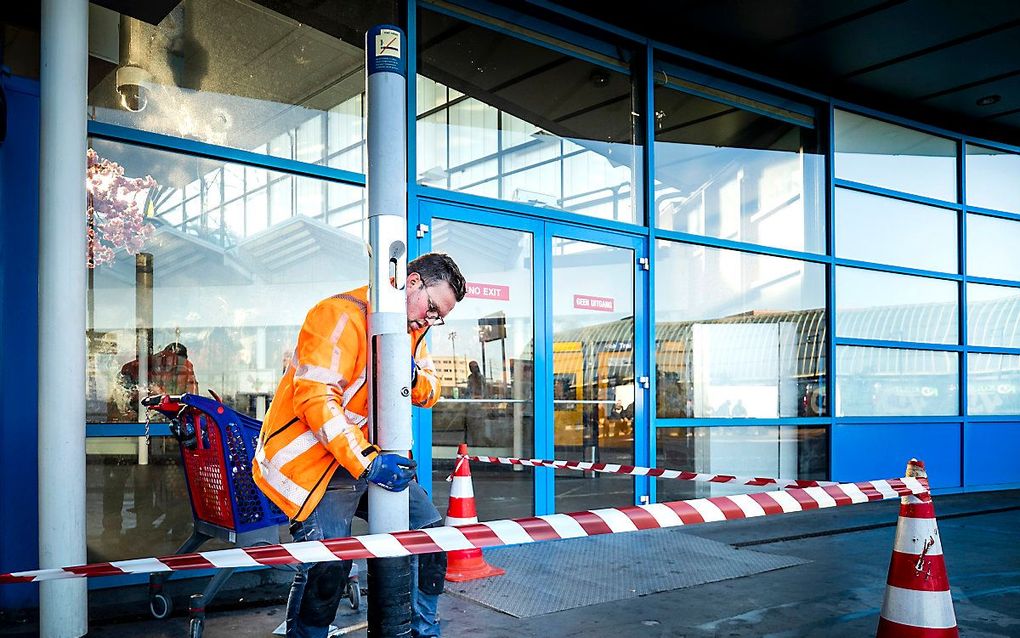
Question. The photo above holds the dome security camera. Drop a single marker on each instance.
(132, 84)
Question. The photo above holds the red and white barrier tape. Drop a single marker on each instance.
(505, 532)
(635, 470)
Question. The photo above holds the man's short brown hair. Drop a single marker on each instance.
(436, 267)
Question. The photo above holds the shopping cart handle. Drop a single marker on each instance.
(163, 402)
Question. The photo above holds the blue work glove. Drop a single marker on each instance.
(391, 471)
(414, 371)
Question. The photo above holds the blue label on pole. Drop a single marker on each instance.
(385, 45)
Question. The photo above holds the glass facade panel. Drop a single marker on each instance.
(780, 451)
(504, 118)
(284, 79)
(993, 316)
(738, 334)
(593, 370)
(880, 154)
(485, 357)
(993, 383)
(202, 318)
(993, 179)
(896, 382)
(133, 510)
(891, 231)
(992, 247)
(724, 172)
(213, 300)
(882, 305)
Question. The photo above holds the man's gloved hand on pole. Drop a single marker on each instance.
(392, 471)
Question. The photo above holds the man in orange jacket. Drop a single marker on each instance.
(314, 459)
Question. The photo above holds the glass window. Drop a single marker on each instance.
(738, 334)
(778, 451)
(895, 157)
(508, 119)
(269, 77)
(993, 179)
(730, 173)
(992, 247)
(210, 279)
(881, 305)
(892, 231)
(134, 510)
(220, 310)
(896, 382)
(993, 316)
(993, 383)
(485, 359)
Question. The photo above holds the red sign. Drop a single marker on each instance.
(488, 291)
(587, 302)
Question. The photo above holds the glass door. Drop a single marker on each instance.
(485, 357)
(597, 386)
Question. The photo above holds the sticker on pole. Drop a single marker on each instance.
(385, 50)
(387, 43)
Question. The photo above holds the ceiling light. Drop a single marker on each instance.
(988, 100)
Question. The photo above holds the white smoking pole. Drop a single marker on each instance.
(389, 367)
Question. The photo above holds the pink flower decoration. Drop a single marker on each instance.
(116, 209)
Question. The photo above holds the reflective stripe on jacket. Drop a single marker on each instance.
(318, 418)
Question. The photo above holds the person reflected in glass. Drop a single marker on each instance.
(475, 382)
(739, 409)
(170, 372)
(314, 459)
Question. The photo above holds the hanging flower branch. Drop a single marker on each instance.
(115, 218)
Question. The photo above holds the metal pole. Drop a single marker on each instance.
(63, 57)
(143, 342)
(389, 579)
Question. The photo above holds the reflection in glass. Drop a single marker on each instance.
(891, 231)
(508, 119)
(993, 179)
(895, 157)
(993, 316)
(881, 305)
(271, 77)
(724, 172)
(896, 382)
(232, 279)
(485, 358)
(992, 247)
(593, 370)
(737, 334)
(785, 451)
(135, 510)
(993, 383)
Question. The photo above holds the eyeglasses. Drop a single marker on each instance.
(432, 315)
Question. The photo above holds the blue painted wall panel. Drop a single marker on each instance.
(862, 452)
(990, 451)
(19, 256)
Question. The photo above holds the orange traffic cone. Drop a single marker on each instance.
(917, 599)
(465, 564)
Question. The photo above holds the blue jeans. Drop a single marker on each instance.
(346, 498)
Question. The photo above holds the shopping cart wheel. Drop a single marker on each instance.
(160, 605)
(197, 625)
(354, 594)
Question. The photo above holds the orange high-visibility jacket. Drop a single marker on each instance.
(318, 419)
